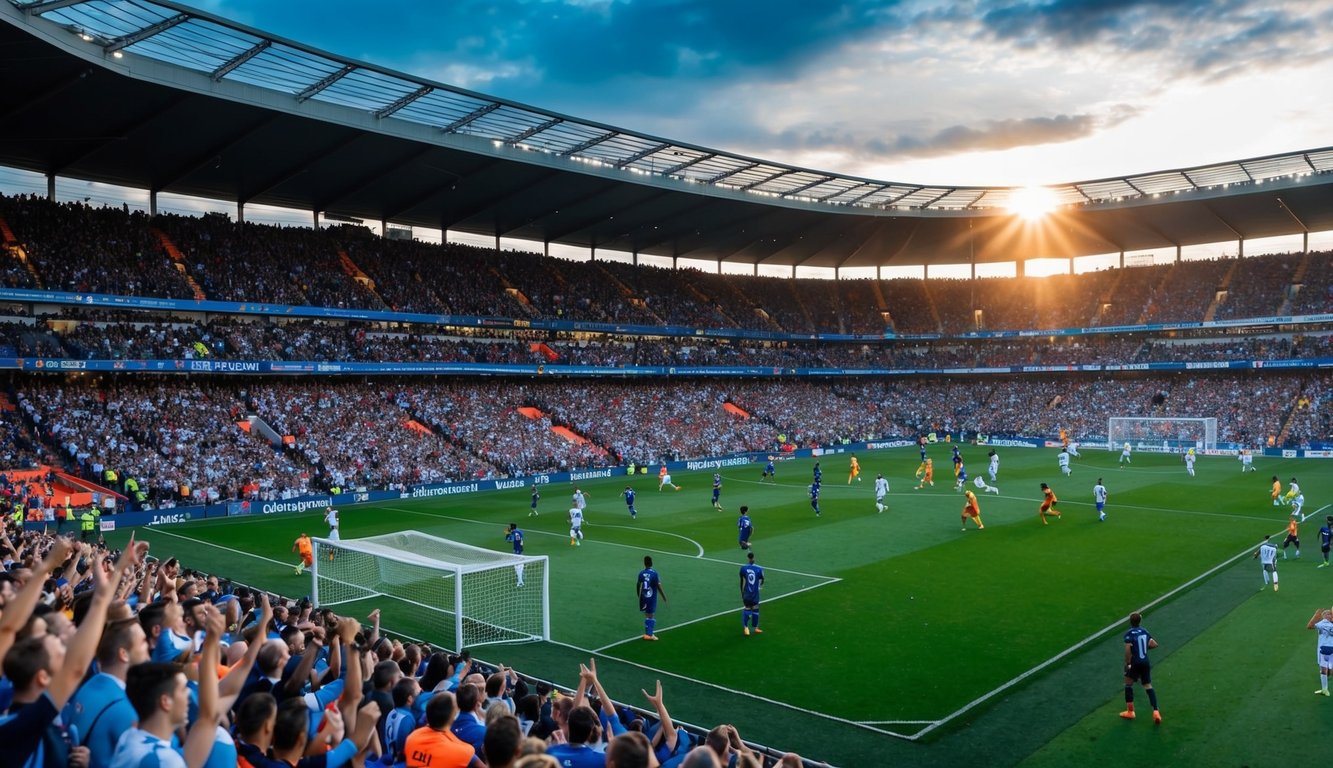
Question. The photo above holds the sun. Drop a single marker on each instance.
(1032, 203)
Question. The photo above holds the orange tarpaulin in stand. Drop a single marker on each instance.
(569, 435)
(530, 412)
(416, 426)
(244, 425)
(729, 408)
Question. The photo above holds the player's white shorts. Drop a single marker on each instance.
(333, 535)
(879, 498)
(666, 480)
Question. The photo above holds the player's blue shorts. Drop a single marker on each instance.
(751, 600)
(1101, 505)
(1140, 672)
(744, 537)
(716, 494)
(648, 605)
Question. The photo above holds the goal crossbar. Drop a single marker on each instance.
(1162, 433)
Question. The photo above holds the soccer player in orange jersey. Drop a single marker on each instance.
(1277, 490)
(929, 476)
(856, 471)
(1047, 504)
(307, 550)
(971, 509)
(1293, 536)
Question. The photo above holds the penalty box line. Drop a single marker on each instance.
(743, 694)
(1099, 634)
(634, 547)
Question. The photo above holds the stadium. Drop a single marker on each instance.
(478, 315)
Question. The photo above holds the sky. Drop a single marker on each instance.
(990, 92)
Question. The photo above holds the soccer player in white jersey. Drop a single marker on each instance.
(1189, 462)
(1267, 557)
(575, 526)
(1322, 622)
(1099, 497)
(1073, 448)
(331, 519)
(580, 499)
(981, 483)
(1124, 456)
(1246, 461)
(881, 490)
(1063, 458)
(994, 464)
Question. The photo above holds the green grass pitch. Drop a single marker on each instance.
(897, 636)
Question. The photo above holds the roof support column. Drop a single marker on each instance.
(592, 253)
(384, 227)
(497, 241)
(634, 257)
(1240, 253)
(1021, 269)
(314, 219)
(546, 248)
(152, 202)
(1071, 265)
(1178, 257)
(1122, 259)
(1305, 242)
(240, 212)
(50, 187)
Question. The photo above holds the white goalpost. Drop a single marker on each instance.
(1162, 434)
(481, 596)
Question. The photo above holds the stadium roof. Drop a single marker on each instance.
(160, 96)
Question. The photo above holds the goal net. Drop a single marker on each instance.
(1161, 434)
(478, 595)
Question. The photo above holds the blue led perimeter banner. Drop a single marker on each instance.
(290, 367)
(108, 301)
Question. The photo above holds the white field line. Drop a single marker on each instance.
(1077, 646)
(831, 580)
(609, 543)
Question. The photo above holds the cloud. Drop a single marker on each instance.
(983, 136)
(1209, 39)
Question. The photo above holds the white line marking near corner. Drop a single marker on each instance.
(1076, 647)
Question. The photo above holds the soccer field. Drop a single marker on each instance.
(894, 634)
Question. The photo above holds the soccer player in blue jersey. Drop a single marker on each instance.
(629, 502)
(744, 527)
(1137, 669)
(515, 537)
(819, 473)
(770, 471)
(535, 498)
(649, 588)
(962, 477)
(752, 578)
(1325, 538)
(717, 491)
(921, 444)
(814, 498)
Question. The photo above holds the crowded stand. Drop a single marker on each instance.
(186, 442)
(79, 248)
(180, 440)
(1259, 286)
(357, 435)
